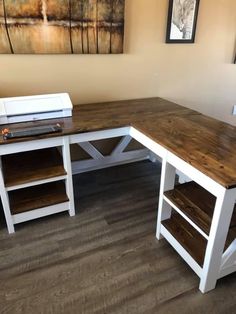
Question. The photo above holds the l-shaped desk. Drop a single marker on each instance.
(197, 218)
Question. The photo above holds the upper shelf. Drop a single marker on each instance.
(196, 203)
(32, 166)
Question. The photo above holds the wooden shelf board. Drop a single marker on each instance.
(32, 166)
(191, 240)
(187, 236)
(39, 196)
(196, 203)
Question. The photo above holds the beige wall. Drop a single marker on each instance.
(200, 76)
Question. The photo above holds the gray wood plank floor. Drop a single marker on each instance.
(106, 259)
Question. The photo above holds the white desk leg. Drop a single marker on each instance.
(167, 183)
(69, 181)
(5, 204)
(218, 233)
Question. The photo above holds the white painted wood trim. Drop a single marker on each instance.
(185, 217)
(167, 183)
(182, 252)
(197, 176)
(219, 229)
(30, 145)
(182, 177)
(40, 212)
(98, 135)
(68, 168)
(147, 142)
(226, 271)
(6, 205)
(124, 142)
(229, 256)
(154, 158)
(108, 161)
(91, 150)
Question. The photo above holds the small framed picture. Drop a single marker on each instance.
(182, 21)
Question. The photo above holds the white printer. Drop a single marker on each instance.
(33, 108)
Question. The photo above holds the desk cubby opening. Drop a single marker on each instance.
(37, 165)
(196, 203)
(191, 240)
(40, 196)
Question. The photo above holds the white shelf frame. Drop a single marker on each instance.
(214, 260)
(40, 212)
(118, 156)
(7, 149)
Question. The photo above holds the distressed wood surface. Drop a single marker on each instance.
(106, 259)
(207, 144)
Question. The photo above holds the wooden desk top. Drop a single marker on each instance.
(207, 144)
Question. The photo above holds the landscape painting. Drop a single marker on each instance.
(61, 26)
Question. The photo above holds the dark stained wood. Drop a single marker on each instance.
(38, 196)
(203, 142)
(193, 242)
(32, 166)
(207, 144)
(106, 259)
(196, 203)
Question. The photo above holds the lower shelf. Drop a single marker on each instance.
(196, 203)
(39, 196)
(189, 238)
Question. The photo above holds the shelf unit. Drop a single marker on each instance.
(43, 187)
(44, 164)
(198, 219)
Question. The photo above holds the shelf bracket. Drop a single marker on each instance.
(124, 142)
(229, 256)
(91, 150)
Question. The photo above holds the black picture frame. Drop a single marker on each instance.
(180, 13)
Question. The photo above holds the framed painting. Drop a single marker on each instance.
(61, 26)
(182, 21)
